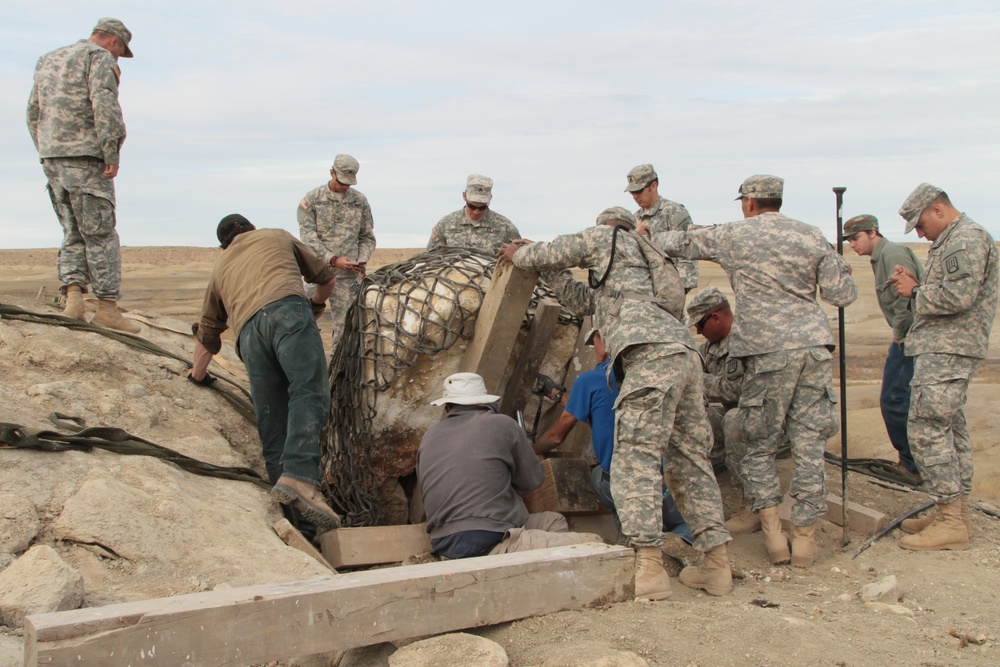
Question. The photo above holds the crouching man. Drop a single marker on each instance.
(473, 467)
(256, 287)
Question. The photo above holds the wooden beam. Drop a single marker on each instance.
(567, 489)
(293, 538)
(497, 324)
(259, 624)
(354, 547)
(863, 520)
(529, 360)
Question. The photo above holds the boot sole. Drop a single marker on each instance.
(798, 561)
(653, 597)
(287, 496)
(951, 546)
(717, 591)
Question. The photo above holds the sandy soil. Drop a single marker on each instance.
(819, 618)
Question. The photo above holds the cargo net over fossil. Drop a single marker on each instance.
(399, 343)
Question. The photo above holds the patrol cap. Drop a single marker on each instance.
(919, 199)
(118, 29)
(703, 302)
(762, 186)
(230, 227)
(346, 169)
(640, 177)
(860, 223)
(616, 213)
(479, 189)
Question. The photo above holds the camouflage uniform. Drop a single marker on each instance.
(336, 224)
(953, 314)
(775, 265)
(456, 230)
(660, 410)
(669, 216)
(76, 123)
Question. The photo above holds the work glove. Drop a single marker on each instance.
(550, 388)
(317, 308)
(204, 382)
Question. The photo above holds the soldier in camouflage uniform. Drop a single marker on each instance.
(862, 233)
(657, 214)
(953, 310)
(335, 221)
(775, 265)
(710, 314)
(475, 225)
(76, 123)
(660, 409)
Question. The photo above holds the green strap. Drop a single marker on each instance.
(113, 440)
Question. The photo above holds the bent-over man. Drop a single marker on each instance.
(256, 288)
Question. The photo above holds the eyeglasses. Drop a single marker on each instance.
(477, 207)
(700, 324)
(642, 189)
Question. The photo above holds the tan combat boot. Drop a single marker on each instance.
(109, 317)
(714, 575)
(804, 546)
(74, 303)
(948, 532)
(914, 526)
(775, 539)
(651, 580)
(966, 514)
(743, 522)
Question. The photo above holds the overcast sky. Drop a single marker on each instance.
(241, 107)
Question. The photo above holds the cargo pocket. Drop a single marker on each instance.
(819, 411)
(751, 417)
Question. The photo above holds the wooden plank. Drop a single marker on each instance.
(529, 360)
(293, 538)
(567, 489)
(863, 520)
(354, 547)
(498, 323)
(259, 624)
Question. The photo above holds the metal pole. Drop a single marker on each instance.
(845, 540)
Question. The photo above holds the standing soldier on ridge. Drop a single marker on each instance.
(953, 311)
(862, 233)
(76, 123)
(658, 214)
(775, 265)
(335, 221)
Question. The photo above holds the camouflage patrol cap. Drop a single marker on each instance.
(860, 223)
(479, 189)
(346, 169)
(616, 213)
(919, 199)
(703, 302)
(118, 29)
(762, 186)
(640, 177)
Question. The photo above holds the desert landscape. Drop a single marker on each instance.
(137, 528)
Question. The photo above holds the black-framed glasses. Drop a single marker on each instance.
(700, 324)
(477, 207)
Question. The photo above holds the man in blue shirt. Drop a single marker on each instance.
(593, 401)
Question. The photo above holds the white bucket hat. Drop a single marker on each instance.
(465, 389)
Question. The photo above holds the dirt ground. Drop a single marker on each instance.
(812, 616)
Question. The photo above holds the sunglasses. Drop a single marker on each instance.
(701, 323)
(477, 207)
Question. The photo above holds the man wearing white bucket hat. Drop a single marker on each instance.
(473, 467)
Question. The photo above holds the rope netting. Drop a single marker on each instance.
(413, 308)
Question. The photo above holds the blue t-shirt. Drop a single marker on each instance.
(591, 401)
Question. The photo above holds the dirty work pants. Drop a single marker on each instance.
(84, 202)
(660, 416)
(938, 435)
(283, 353)
(787, 394)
